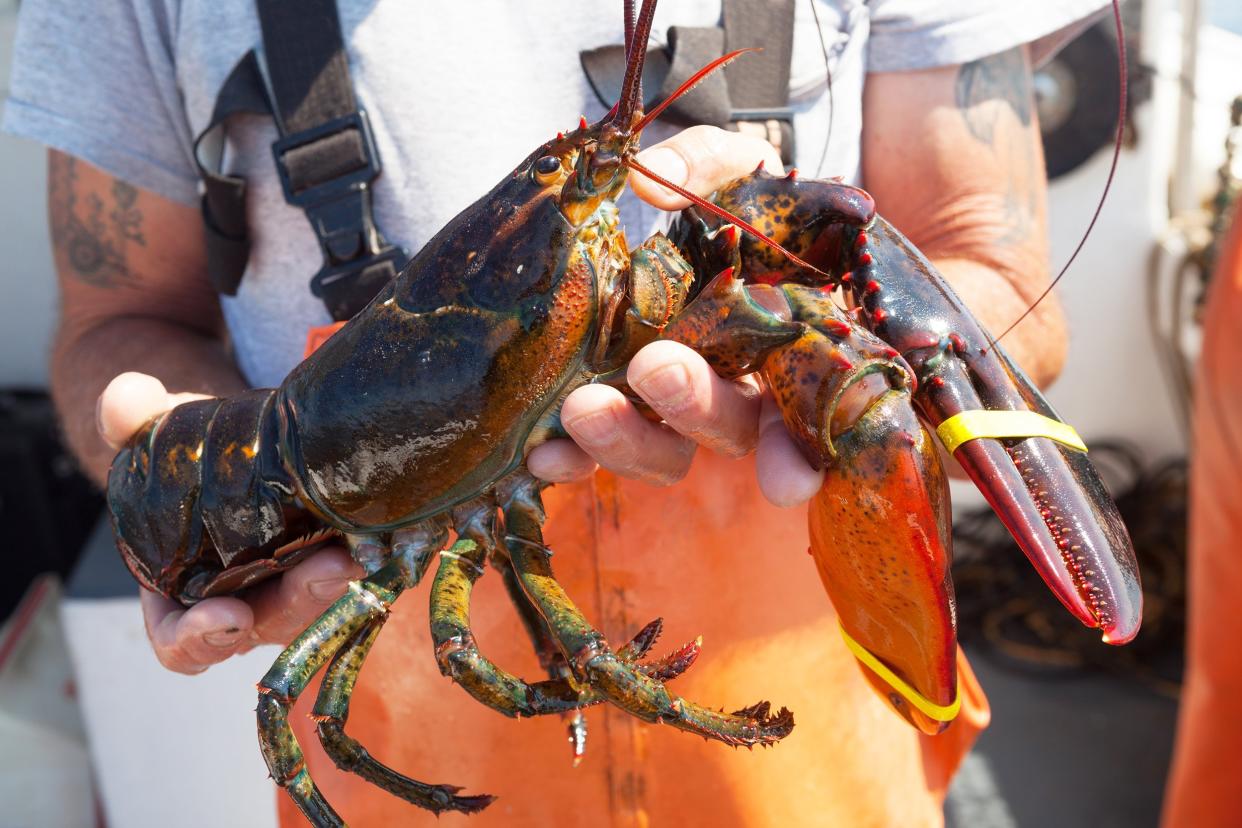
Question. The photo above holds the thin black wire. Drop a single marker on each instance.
(1108, 183)
(832, 104)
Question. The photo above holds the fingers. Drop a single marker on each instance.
(785, 477)
(191, 640)
(129, 401)
(560, 461)
(698, 407)
(287, 605)
(609, 429)
(680, 386)
(700, 159)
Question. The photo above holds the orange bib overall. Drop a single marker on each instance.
(1205, 786)
(713, 558)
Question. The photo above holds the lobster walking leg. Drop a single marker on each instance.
(460, 659)
(332, 711)
(594, 662)
(364, 603)
(550, 657)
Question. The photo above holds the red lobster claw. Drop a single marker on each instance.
(880, 523)
(1031, 467)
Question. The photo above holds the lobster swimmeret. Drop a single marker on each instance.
(415, 418)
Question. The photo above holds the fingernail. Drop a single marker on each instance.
(667, 387)
(99, 416)
(666, 163)
(326, 589)
(599, 429)
(224, 638)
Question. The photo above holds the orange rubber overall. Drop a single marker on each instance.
(1205, 785)
(713, 558)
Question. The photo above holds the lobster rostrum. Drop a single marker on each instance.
(412, 422)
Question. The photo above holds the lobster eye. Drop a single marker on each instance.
(547, 169)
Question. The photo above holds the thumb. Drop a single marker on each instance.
(129, 401)
(701, 159)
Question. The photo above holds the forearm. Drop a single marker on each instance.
(992, 248)
(84, 361)
(954, 159)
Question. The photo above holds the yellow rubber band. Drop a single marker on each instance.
(971, 425)
(938, 712)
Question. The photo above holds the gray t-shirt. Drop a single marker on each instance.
(457, 95)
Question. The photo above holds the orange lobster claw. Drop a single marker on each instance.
(880, 540)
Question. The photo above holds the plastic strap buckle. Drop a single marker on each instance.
(348, 287)
(774, 124)
(937, 712)
(358, 261)
(999, 425)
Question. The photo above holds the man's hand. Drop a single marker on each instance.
(698, 407)
(191, 640)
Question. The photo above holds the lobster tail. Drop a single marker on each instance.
(200, 501)
(153, 492)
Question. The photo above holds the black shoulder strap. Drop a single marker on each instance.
(326, 156)
(759, 83)
(752, 94)
(224, 196)
(306, 63)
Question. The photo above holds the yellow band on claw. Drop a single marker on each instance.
(971, 425)
(938, 712)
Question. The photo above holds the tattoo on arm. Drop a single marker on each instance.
(1002, 77)
(93, 235)
(986, 89)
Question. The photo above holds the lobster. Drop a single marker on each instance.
(412, 422)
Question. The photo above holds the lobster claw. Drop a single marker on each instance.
(1031, 467)
(879, 525)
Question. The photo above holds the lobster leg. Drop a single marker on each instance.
(591, 658)
(332, 711)
(364, 603)
(460, 659)
(550, 657)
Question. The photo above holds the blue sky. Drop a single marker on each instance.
(1225, 13)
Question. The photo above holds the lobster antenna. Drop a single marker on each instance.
(691, 82)
(630, 99)
(629, 28)
(832, 103)
(1112, 170)
(723, 213)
